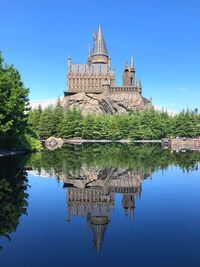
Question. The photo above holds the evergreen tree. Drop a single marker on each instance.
(185, 124)
(34, 119)
(114, 128)
(71, 125)
(57, 118)
(135, 129)
(87, 127)
(46, 126)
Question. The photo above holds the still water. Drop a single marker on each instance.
(100, 205)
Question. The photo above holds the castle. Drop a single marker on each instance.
(97, 78)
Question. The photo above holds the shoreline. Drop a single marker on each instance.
(6, 152)
(123, 141)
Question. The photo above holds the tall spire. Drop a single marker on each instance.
(99, 53)
(99, 44)
(98, 235)
(89, 54)
(132, 63)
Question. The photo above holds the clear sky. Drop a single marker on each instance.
(162, 35)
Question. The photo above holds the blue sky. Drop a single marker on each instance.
(163, 36)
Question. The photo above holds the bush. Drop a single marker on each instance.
(28, 143)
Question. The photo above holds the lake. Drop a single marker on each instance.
(100, 205)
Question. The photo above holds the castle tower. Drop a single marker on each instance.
(132, 73)
(128, 76)
(106, 87)
(128, 203)
(98, 225)
(68, 61)
(90, 77)
(139, 85)
(89, 57)
(99, 53)
(125, 76)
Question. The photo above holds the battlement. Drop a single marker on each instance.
(106, 89)
(125, 89)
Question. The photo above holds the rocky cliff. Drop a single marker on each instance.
(115, 103)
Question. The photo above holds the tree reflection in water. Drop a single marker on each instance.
(13, 196)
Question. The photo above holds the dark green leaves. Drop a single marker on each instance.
(13, 105)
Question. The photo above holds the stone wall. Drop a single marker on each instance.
(184, 144)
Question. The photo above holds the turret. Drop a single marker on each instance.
(132, 72)
(99, 53)
(89, 56)
(128, 203)
(128, 76)
(106, 87)
(132, 63)
(109, 61)
(69, 61)
(139, 85)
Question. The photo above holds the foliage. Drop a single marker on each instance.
(136, 125)
(28, 143)
(34, 118)
(13, 105)
(71, 125)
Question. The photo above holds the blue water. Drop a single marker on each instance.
(161, 228)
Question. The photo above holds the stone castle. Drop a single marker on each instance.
(92, 89)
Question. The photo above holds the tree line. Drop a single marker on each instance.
(55, 121)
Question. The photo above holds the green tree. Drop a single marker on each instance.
(46, 126)
(185, 124)
(13, 105)
(71, 125)
(34, 119)
(57, 118)
(87, 127)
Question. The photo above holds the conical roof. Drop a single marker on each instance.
(99, 44)
(98, 235)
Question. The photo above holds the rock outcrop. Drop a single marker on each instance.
(53, 143)
(114, 103)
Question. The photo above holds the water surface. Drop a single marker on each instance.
(102, 205)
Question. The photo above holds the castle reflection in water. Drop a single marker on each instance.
(91, 194)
